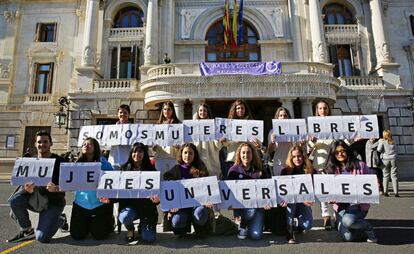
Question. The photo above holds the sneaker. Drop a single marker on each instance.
(22, 236)
(291, 238)
(130, 236)
(397, 195)
(386, 194)
(371, 237)
(242, 233)
(65, 225)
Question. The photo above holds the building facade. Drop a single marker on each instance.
(355, 54)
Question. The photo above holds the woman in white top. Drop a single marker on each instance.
(165, 156)
(280, 149)
(208, 150)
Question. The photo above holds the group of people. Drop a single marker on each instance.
(228, 160)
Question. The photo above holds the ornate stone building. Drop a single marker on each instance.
(356, 54)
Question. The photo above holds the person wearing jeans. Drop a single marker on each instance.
(297, 163)
(50, 219)
(248, 165)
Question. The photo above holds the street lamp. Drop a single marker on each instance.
(62, 116)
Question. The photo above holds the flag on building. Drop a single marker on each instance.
(234, 26)
(240, 25)
(226, 24)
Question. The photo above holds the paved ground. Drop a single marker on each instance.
(393, 220)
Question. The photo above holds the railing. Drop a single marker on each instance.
(38, 98)
(362, 82)
(341, 29)
(119, 85)
(163, 70)
(193, 69)
(126, 33)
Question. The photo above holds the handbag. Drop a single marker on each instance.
(37, 201)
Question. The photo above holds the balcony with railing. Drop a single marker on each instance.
(126, 34)
(115, 85)
(341, 34)
(38, 98)
(362, 82)
(181, 81)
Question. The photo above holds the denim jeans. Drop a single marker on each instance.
(253, 218)
(198, 215)
(302, 212)
(127, 217)
(352, 224)
(49, 219)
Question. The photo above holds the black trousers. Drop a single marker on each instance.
(98, 221)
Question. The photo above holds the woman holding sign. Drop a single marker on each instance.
(352, 225)
(209, 150)
(165, 155)
(90, 214)
(248, 166)
(238, 110)
(279, 150)
(297, 163)
(143, 209)
(319, 150)
(180, 220)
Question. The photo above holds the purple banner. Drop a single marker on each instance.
(251, 68)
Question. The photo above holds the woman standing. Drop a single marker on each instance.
(279, 150)
(352, 225)
(297, 163)
(89, 213)
(165, 155)
(248, 166)
(143, 209)
(179, 221)
(208, 150)
(386, 148)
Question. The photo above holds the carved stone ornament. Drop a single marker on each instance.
(11, 15)
(88, 56)
(6, 71)
(148, 54)
(42, 47)
(188, 16)
(80, 13)
(319, 52)
(276, 19)
(384, 50)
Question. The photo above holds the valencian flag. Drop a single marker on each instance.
(240, 25)
(234, 26)
(226, 24)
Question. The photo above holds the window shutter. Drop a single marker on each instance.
(36, 79)
(37, 35)
(54, 31)
(50, 79)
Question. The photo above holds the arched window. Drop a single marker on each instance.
(336, 14)
(248, 51)
(129, 17)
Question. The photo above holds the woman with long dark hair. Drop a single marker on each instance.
(189, 165)
(352, 225)
(89, 213)
(143, 209)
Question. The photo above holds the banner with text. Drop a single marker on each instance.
(251, 68)
(79, 176)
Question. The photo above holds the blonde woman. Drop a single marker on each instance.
(386, 148)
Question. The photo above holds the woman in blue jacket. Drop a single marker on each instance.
(89, 213)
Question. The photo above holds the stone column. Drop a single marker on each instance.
(306, 107)
(295, 30)
(90, 34)
(382, 46)
(151, 34)
(317, 32)
(288, 104)
(118, 60)
(179, 109)
(170, 35)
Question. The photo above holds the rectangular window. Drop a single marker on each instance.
(46, 32)
(43, 78)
